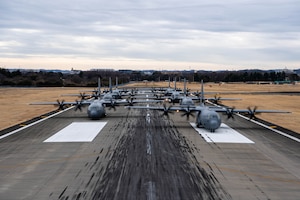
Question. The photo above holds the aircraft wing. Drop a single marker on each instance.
(160, 108)
(246, 111)
(187, 111)
(53, 103)
(222, 99)
(261, 111)
(129, 102)
(147, 101)
(62, 104)
(83, 96)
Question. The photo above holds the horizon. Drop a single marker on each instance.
(162, 70)
(170, 66)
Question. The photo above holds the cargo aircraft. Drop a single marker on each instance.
(184, 99)
(112, 93)
(96, 106)
(207, 116)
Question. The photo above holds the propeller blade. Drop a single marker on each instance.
(166, 110)
(188, 113)
(112, 105)
(252, 113)
(216, 99)
(61, 105)
(230, 112)
(129, 101)
(78, 105)
(82, 95)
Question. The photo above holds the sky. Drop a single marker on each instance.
(150, 34)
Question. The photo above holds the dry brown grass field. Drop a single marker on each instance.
(14, 102)
(15, 108)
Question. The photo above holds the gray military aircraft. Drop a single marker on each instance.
(96, 106)
(174, 96)
(107, 94)
(207, 116)
(95, 110)
(165, 91)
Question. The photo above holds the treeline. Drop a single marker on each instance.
(246, 76)
(59, 79)
(89, 78)
(224, 76)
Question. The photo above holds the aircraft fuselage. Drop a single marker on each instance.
(208, 119)
(187, 102)
(175, 97)
(96, 110)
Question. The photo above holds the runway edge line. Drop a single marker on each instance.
(272, 129)
(34, 123)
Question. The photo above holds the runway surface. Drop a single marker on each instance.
(139, 154)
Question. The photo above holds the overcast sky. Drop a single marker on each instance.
(150, 34)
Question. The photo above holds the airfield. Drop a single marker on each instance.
(138, 154)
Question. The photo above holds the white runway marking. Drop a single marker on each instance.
(78, 132)
(224, 134)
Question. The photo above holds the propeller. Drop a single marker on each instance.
(197, 94)
(61, 104)
(112, 105)
(82, 95)
(133, 92)
(188, 91)
(252, 112)
(230, 112)
(187, 113)
(216, 99)
(129, 101)
(166, 110)
(95, 95)
(78, 105)
(153, 90)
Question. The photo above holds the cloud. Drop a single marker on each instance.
(220, 33)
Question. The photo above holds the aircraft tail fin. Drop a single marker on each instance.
(99, 87)
(202, 93)
(184, 89)
(175, 83)
(110, 86)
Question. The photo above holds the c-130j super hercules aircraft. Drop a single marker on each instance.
(207, 116)
(96, 105)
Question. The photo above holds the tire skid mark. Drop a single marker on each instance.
(135, 172)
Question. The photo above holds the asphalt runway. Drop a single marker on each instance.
(140, 154)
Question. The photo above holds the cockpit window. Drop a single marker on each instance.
(213, 116)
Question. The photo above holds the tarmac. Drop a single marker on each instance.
(140, 154)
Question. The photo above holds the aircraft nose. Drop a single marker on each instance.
(214, 124)
(94, 114)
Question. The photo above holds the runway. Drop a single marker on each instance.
(139, 154)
